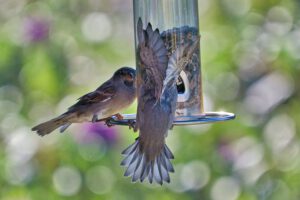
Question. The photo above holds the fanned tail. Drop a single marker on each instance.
(139, 167)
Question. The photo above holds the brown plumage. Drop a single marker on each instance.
(152, 58)
(110, 98)
(149, 156)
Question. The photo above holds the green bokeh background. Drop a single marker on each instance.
(53, 51)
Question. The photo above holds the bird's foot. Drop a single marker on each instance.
(119, 116)
(131, 124)
(108, 122)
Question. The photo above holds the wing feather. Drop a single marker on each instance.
(177, 62)
(152, 56)
(102, 94)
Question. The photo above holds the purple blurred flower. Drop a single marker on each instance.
(36, 29)
(97, 131)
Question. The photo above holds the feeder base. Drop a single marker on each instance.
(205, 118)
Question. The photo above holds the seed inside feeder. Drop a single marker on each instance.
(189, 87)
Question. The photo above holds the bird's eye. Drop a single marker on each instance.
(130, 75)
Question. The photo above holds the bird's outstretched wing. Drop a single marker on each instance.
(152, 57)
(178, 60)
(102, 94)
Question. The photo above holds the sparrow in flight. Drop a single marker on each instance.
(149, 157)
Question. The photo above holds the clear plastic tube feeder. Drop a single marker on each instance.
(178, 23)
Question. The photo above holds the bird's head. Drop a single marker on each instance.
(126, 75)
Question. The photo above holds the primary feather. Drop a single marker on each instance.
(152, 58)
(178, 61)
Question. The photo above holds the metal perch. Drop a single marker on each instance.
(206, 118)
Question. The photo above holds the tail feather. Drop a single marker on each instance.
(145, 172)
(150, 175)
(140, 168)
(134, 163)
(163, 169)
(130, 149)
(157, 172)
(64, 127)
(49, 126)
(168, 152)
(167, 164)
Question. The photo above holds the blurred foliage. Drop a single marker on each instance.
(53, 51)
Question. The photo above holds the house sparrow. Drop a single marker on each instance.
(112, 96)
(149, 156)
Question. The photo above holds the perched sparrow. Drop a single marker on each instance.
(149, 156)
(112, 96)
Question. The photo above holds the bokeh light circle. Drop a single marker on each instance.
(67, 180)
(96, 27)
(100, 179)
(225, 188)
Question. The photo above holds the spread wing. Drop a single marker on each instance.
(177, 62)
(152, 57)
(152, 60)
(102, 94)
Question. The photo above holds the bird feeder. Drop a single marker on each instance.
(178, 23)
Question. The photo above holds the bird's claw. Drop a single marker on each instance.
(131, 124)
(119, 116)
(108, 122)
